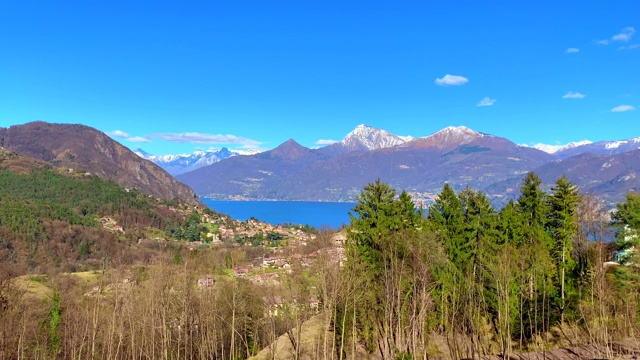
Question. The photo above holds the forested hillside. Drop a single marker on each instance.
(462, 280)
(53, 220)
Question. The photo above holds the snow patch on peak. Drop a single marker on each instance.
(371, 138)
(615, 144)
(178, 164)
(459, 129)
(455, 134)
(552, 149)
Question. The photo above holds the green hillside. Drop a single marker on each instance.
(55, 219)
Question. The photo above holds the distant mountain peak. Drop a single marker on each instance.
(365, 137)
(179, 164)
(552, 149)
(449, 137)
(458, 131)
(617, 144)
(289, 149)
(288, 146)
(141, 153)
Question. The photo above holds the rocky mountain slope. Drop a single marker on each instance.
(84, 149)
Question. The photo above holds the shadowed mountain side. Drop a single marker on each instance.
(610, 177)
(83, 148)
(253, 176)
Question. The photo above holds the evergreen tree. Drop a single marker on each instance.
(510, 225)
(446, 217)
(626, 219)
(532, 201)
(371, 223)
(536, 265)
(561, 222)
(379, 257)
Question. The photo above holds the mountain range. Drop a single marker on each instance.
(180, 164)
(456, 155)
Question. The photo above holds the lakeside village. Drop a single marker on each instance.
(263, 252)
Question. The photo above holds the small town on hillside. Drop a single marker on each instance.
(271, 250)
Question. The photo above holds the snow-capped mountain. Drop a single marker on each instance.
(180, 164)
(588, 147)
(451, 136)
(552, 149)
(602, 148)
(365, 137)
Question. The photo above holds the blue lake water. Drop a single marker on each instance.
(316, 214)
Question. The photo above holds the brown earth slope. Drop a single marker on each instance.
(86, 149)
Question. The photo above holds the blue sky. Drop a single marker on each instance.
(173, 77)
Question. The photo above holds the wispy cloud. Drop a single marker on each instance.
(209, 139)
(451, 80)
(573, 95)
(119, 134)
(571, 50)
(486, 101)
(625, 35)
(126, 136)
(325, 142)
(138, 139)
(623, 108)
(630, 47)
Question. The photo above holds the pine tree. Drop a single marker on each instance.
(379, 255)
(537, 264)
(561, 222)
(626, 219)
(371, 223)
(446, 217)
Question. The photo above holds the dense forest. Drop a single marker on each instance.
(459, 279)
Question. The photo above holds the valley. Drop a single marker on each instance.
(170, 277)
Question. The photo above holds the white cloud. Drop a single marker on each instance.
(449, 80)
(138, 139)
(630, 47)
(486, 101)
(573, 95)
(623, 108)
(200, 138)
(126, 136)
(625, 35)
(571, 50)
(119, 134)
(325, 142)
